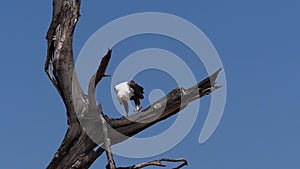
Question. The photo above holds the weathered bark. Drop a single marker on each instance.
(77, 148)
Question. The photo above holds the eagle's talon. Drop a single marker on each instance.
(138, 109)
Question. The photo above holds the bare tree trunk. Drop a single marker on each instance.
(77, 148)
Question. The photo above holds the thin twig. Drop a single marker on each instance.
(158, 163)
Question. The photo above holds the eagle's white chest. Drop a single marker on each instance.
(124, 91)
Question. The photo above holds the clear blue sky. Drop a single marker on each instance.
(258, 43)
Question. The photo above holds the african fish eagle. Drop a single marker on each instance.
(129, 91)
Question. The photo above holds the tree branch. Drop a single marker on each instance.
(157, 162)
(62, 74)
(60, 52)
(95, 79)
(167, 106)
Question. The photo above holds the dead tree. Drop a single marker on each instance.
(77, 149)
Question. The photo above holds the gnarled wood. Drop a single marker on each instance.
(77, 148)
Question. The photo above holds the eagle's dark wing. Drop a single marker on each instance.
(138, 90)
